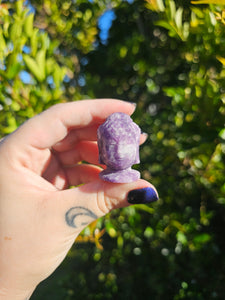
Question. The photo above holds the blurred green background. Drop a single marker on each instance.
(169, 58)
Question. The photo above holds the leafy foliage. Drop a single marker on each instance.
(31, 78)
(169, 58)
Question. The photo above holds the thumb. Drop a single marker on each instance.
(84, 204)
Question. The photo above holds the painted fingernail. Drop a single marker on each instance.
(145, 134)
(133, 103)
(142, 196)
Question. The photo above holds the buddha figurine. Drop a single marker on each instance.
(118, 143)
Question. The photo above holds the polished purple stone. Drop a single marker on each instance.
(118, 143)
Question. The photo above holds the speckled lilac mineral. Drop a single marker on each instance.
(118, 142)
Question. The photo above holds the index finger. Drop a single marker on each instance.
(48, 128)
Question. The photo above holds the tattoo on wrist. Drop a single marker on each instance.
(79, 216)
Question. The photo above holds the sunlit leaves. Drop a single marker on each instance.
(221, 59)
(220, 2)
(155, 5)
(31, 78)
(183, 112)
(33, 66)
(174, 22)
(175, 72)
(222, 134)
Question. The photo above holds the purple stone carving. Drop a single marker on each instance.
(118, 143)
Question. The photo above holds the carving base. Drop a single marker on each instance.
(119, 176)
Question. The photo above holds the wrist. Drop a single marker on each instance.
(13, 293)
(14, 284)
(6, 294)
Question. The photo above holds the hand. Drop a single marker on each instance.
(40, 217)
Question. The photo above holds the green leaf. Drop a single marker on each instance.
(34, 42)
(155, 5)
(3, 74)
(33, 67)
(11, 59)
(178, 18)
(15, 31)
(12, 125)
(13, 70)
(19, 7)
(202, 238)
(44, 41)
(221, 59)
(160, 5)
(149, 232)
(2, 43)
(49, 66)
(186, 27)
(28, 25)
(6, 26)
(58, 75)
(120, 241)
(145, 208)
(181, 237)
(165, 25)
(222, 134)
(172, 6)
(40, 59)
(220, 2)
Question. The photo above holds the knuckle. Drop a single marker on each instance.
(104, 203)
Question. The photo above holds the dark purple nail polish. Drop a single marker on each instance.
(142, 196)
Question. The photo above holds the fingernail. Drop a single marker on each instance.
(142, 196)
(145, 134)
(133, 103)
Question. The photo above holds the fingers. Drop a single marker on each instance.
(74, 136)
(73, 151)
(80, 206)
(83, 151)
(52, 126)
(71, 176)
(87, 133)
(82, 173)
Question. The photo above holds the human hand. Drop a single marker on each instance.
(40, 216)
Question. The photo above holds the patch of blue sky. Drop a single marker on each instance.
(2, 66)
(66, 78)
(81, 80)
(30, 6)
(105, 23)
(26, 49)
(25, 77)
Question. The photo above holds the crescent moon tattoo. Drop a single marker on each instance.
(79, 216)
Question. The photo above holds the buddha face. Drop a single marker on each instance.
(118, 142)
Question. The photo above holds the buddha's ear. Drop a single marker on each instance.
(137, 159)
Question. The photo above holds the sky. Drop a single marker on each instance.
(104, 24)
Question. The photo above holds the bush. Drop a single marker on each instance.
(168, 58)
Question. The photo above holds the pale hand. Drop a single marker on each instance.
(40, 216)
